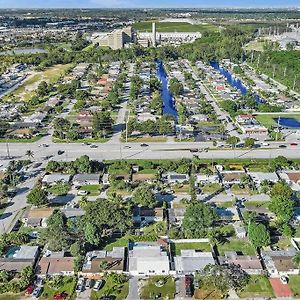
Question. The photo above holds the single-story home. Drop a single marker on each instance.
(148, 259)
(17, 258)
(206, 179)
(292, 178)
(173, 178)
(37, 217)
(50, 179)
(239, 229)
(232, 177)
(56, 264)
(99, 262)
(250, 264)
(143, 215)
(86, 179)
(280, 262)
(259, 177)
(192, 261)
(176, 215)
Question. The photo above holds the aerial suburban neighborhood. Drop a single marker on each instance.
(149, 153)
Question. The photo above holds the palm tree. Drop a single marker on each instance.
(296, 259)
(29, 153)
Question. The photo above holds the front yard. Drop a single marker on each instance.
(294, 284)
(93, 190)
(67, 285)
(150, 290)
(211, 188)
(258, 286)
(114, 286)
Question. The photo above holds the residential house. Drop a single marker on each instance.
(86, 179)
(280, 262)
(37, 217)
(292, 178)
(259, 177)
(21, 133)
(232, 177)
(55, 264)
(176, 215)
(148, 259)
(173, 178)
(239, 229)
(206, 179)
(54, 178)
(250, 264)
(228, 214)
(98, 262)
(192, 261)
(17, 258)
(144, 215)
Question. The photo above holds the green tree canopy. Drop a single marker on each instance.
(37, 196)
(143, 196)
(258, 235)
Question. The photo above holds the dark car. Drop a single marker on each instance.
(60, 152)
(293, 144)
(282, 146)
(188, 282)
(144, 145)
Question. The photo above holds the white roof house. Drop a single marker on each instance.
(56, 177)
(82, 179)
(202, 178)
(191, 261)
(148, 259)
(259, 177)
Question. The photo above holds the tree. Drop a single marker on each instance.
(233, 140)
(37, 196)
(296, 259)
(197, 218)
(92, 235)
(176, 87)
(143, 196)
(42, 89)
(281, 202)
(249, 142)
(258, 235)
(76, 249)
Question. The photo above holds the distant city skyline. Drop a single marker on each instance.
(146, 4)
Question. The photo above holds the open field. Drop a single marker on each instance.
(174, 26)
(258, 286)
(254, 46)
(27, 89)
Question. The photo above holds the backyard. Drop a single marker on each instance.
(177, 247)
(294, 284)
(237, 245)
(268, 119)
(258, 286)
(152, 289)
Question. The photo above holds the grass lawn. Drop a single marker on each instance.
(211, 188)
(87, 140)
(268, 119)
(226, 204)
(174, 26)
(235, 189)
(150, 289)
(151, 139)
(258, 286)
(283, 243)
(254, 45)
(294, 284)
(297, 231)
(181, 188)
(179, 204)
(206, 293)
(68, 286)
(177, 247)
(51, 75)
(118, 291)
(9, 296)
(94, 190)
(121, 242)
(257, 204)
(240, 245)
(31, 140)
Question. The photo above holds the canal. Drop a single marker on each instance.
(234, 82)
(21, 51)
(168, 100)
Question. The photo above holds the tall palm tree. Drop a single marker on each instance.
(29, 153)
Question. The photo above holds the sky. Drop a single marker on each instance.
(145, 3)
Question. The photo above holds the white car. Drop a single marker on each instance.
(82, 193)
(97, 285)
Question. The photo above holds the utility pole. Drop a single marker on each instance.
(7, 149)
(126, 126)
(294, 82)
(278, 124)
(274, 67)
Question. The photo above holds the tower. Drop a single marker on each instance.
(154, 34)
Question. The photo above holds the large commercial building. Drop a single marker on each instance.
(116, 39)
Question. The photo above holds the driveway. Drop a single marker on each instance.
(281, 290)
(85, 295)
(133, 293)
(180, 289)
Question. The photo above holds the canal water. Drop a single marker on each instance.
(168, 100)
(234, 82)
(287, 122)
(24, 51)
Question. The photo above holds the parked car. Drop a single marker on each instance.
(82, 193)
(144, 145)
(80, 285)
(93, 146)
(188, 285)
(284, 279)
(294, 144)
(37, 292)
(29, 290)
(88, 284)
(61, 296)
(98, 285)
(282, 146)
(60, 152)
